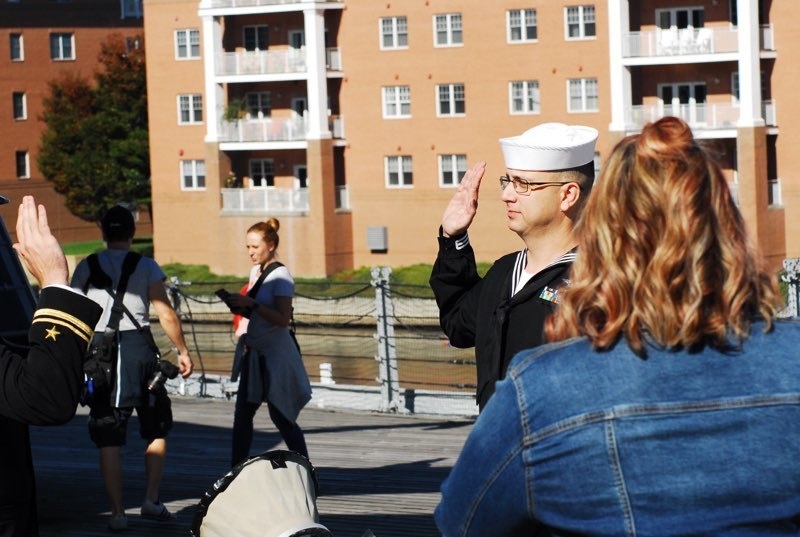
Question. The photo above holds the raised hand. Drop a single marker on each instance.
(461, 210)
(40, 252)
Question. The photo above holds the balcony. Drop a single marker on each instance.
(216, 4)
(265, 200)
(660, 43)
(705, 116)
(273, 130)
(342, 198)
(290, 61)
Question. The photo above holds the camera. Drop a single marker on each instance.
(165, 370)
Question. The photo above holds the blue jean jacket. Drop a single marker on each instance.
(577, 441)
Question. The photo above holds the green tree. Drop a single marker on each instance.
(95, 147)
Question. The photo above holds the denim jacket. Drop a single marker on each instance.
(581, 442)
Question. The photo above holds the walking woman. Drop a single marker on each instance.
(272, 369)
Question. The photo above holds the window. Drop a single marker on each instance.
(398, 171)
(300, 177)
(20, 108)
(583, 95)
(193, 173)
(187, 44)
(680, 18)
(686, 100)
(452, 169)
(450, 99)
(524, 97)
(297, 39)
(256, 38)
(580, 22)
(131, 9)
(262, 173)
(396, 101)
(521, 25)
(394, 32)
(447, 30)
(23, 165)
(62, 47)
(190, 109)
(17, 48)
(259, 104)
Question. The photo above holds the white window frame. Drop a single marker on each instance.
(20, 46)
(296, 37)
(584, 85)
(402, 167)
(583, 13)
(263, 168)
(19, 98)
(452, 168)
(255, 28)
(395, 30)
(258, 104)
(298, 181)
(26, 163)
(673, 13)
(527, 92)
(527, 18)
(191, 40)
(131, 9)
(394, 99)
(198, 180)
(453, 29)
(190, 105)
(61, 37)
(452, 91)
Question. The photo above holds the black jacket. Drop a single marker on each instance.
(40, 389)
(481, 313)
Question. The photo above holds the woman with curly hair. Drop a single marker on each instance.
(669, 401)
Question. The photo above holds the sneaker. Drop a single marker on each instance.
(118, 522)
(156, 511)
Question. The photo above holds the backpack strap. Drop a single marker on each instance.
(128, 266)
(264, 273)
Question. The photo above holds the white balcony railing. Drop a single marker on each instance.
(207, 4)
(698, 116)
(265, 200)
(265, 62)
(263, 130)
(675, 42)
(272, 62)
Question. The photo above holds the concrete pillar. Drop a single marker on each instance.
(620, 75)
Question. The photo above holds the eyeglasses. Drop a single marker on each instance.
(521, 186)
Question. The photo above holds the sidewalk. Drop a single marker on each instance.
(376, 471)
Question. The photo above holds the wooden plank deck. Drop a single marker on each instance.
(376, 471)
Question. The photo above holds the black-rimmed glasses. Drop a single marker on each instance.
(521, 186)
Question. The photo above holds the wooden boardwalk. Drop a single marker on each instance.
(376, 471)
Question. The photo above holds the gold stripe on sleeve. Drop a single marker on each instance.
(50, 315)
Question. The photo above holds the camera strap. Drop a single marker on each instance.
(264, 273)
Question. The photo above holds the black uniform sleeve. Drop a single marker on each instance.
(44, 387)
(456, 286)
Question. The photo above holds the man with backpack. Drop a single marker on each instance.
(125, 360)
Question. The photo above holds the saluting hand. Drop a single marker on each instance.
(461, 210)
(40, 252)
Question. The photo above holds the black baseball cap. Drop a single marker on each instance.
(118, 224)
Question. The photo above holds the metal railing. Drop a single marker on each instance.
(271, 62)
(366, 345)
(676, 42)
(263, 130)
(706, 116)
(265, 200)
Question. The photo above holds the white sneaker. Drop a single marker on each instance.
(156, 511)
(118, 522)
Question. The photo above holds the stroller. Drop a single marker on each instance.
(273, 494)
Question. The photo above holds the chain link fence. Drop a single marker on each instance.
(366, 345)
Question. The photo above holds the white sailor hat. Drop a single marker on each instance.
(550, 146)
